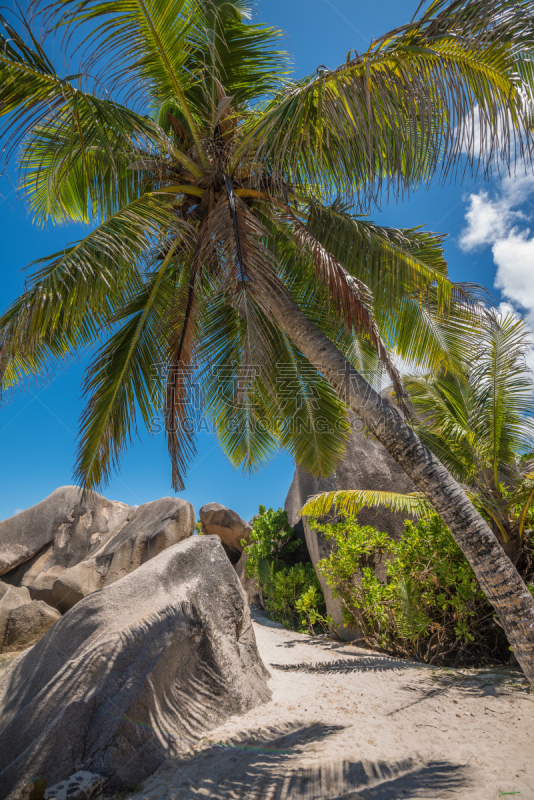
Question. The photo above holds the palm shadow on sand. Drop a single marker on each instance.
(271, 763)
(374, 663)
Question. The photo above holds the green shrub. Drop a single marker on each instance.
(272, 538)
(291, 591)
(430, 607)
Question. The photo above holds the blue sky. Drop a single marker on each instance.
(489, 240)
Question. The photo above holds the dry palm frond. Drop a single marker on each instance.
(351, 297)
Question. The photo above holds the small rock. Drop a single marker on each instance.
(218, 520)
(81, 786)
(22, 620)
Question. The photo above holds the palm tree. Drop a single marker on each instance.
(226, 202)
(480, 426)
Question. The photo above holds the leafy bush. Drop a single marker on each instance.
(526, 564)
(291, 591)
(430, 607)
(272, 538)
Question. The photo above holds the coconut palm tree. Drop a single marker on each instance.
(226, 205)
(480, 425)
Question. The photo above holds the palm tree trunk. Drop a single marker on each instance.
(497, 576)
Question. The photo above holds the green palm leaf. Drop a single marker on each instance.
(77, 291)
(348, 502)
(389, 261)
(153, 37)
(391, 115)
(83, 178)
(480, 421)
(121, 379)
(34, 96)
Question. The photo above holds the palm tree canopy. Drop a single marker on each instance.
(481, 427)
(202, 166)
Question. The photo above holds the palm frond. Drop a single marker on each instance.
(310, 419)
(234, 349)
(69, 300)
(478, 422)
(427, 338)
(181, 405)
(86, 174)
(76, 292)
(390, 116)
(33, 95)
(349, 501)
(154, 38)
(243, 58)
(299, 410)
(503, 398)
(121, 379)
(351, 297)
(444, 421)
(391, 262)
(296, 271)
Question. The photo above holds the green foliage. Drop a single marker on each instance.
(291, 591)
(295, 598)
(430, 606)
(272, 538)
(211, 96)
(479, 423)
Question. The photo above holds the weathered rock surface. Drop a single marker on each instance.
(64, 515)
(72, 544)
(218, 520)
(133, 673)
(247, 583)
(80, 786)
(22, 620)
(366, 465)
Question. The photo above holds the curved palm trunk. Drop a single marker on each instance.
(496, 574)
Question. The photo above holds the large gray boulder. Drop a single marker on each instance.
(22, 620)
(218, 520)
(136, 672)
(366, 465)
(74, 522)
(74, 543)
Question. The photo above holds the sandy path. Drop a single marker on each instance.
(348, 723)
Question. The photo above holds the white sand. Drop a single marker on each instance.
(349, 723)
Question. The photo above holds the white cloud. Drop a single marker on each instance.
(484, 140)
(514, 258)
(485, 222)
(498, 222)
(506, 308)
(489, 220)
